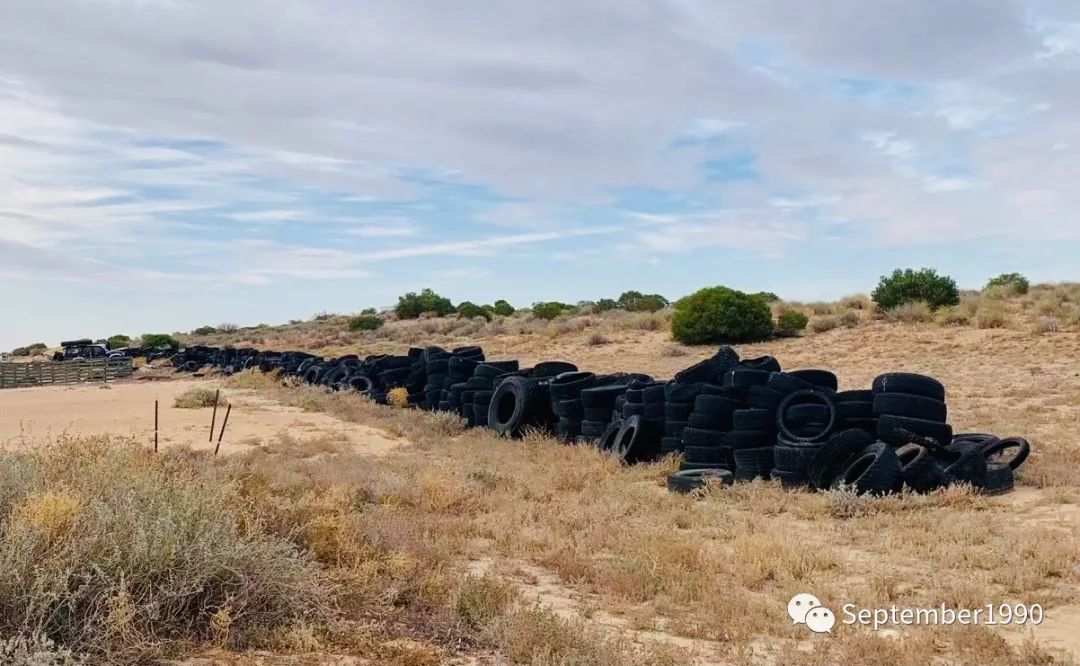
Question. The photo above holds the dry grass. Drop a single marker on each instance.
(200, 397)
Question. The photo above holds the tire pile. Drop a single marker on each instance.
(731, 419)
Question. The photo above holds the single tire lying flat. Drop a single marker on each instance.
(685, 481)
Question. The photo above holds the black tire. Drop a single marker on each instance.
(963, 463)
(711, 370)
(999, 479)
(361, 384)
(493, 369)
(875, 471)
(638, 441)
(685, 481)
(794, 459)
(753, 419)
(676, 392)
(900, 430)
(654, 411)
(552, 369)
(991, 451)
(699, 437)
(905, 382)
(819, 378)
(762, 363)
(799, 398)
(706, 454)
(721, 422)
(921, 472)
(607, 439)
(855, 410)
(441, 366)
(831, 459)
(761, 397)
(674, 428)
(911, 406)
(594, 429)
(869, 425)
(517, 403)
(653, 394)
(806, 414)
(789, 479)
(753, 463)
(633, 409)
(569, 385)
(854, 396)
(602, 396)
(714, 404)
(679, 411)
(568, 409)
(479, 383)
(744, 378)
(689, 465)
(670, 445)
(597, 414)
(748, 439)
(785, 383)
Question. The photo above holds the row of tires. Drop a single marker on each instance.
(731, 419)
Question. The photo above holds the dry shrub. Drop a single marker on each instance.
(673, 351)
(35, 650)
(598, 339)
(116, 553)
(482, 600)
(253, 379)
(991, 314)
(849, 318)
(398, 397)
(914, 312)
(857, 302)
(823, 323)
(199, 397)
(1046, 325)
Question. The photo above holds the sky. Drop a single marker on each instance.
(167, 164)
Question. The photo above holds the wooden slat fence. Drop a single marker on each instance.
(14, 375)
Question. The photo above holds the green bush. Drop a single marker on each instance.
(159, 340)
(767, 296)
(1017, 283)
(719, 315)
(365, 322)
(635, 301)
(369, 311)
(549, 309)
(20, 351)
(906, 286)
(503, 308)
(412, 305)
(467, 310)
(790, 322)
(118, 341)
(606, 304)
(204, 330)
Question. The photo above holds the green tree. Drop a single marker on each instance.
(412, 305)
(767, 296)
(1015, 282)
(605, 304)
(549, 309)
(720, 315)
(906, 286)
(159, 340)
(117, 341)
(204, 330)
(366, 322)
(467, 310)
(503, 308)
(790, 322)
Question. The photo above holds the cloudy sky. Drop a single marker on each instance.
(166, 164)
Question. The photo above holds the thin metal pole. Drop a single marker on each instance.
(223, 425)
(213, 419)
(155, 426)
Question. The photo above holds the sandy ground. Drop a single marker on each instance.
(126, 409)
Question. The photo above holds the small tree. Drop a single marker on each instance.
(906, 286)
(369, 311)
(154, 340)
(549, 309)
(719, 315)
(366, 322)
(606, 304)
(412, 305)
(790, 322)
(469, 310)
(204, 330)
(1015, 282)
(767, 296)
(118, 341)
(503, 308)
(635, 301)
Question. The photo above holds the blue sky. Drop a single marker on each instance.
(166, 164)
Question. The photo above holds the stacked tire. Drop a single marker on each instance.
(705, 438)
(460, 368)
(598, 409)
(565, 391)
(911, 408)
(481, 388)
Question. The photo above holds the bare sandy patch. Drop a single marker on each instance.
(33, 415)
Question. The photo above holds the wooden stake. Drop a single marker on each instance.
(223, 425)
(213, 419)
